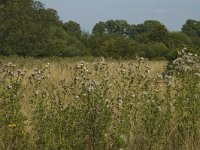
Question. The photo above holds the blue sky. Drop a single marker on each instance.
(172, 13)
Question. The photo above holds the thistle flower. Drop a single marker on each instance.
(36, 92)
(133, 95)
(77, 97)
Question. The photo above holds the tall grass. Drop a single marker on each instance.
(100, 105)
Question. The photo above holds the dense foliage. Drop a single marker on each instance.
(27, 28)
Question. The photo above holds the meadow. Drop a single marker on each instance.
(100, 104)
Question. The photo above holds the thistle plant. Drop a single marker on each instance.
(100, 105)
(185, 70)
(13, 134)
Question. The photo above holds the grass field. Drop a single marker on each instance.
(93, 103)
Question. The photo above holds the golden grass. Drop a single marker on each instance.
(63, 69)
(119, 86)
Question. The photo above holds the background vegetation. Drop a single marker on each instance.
(29, 29)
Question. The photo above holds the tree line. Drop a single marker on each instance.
(27, 28)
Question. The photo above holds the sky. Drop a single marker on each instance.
(172, 13)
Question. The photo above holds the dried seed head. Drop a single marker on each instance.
(9, 86)
(133, 96)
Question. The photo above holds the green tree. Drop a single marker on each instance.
(25, 28)
(155, 50)
(159, 34)
(150, 30)
(72, 28)
(150, 25)
(112, 26)
(117, 26)
(99, 28)
(116, 46)
(58, 41)
(179, 40)
(192, 28)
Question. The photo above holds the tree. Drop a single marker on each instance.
(147, 27)
(58, 42)
(14, 18)
(159, 33)
(117, 26)
(4, 2)
(72, 28)
(112, 26)
(25, 28)
(99, 28)
(115, 46)
(150, 25)
(150, 30)
(155, 50)
(179, 40)
(192, 28)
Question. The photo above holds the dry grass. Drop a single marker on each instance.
(92, 104)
